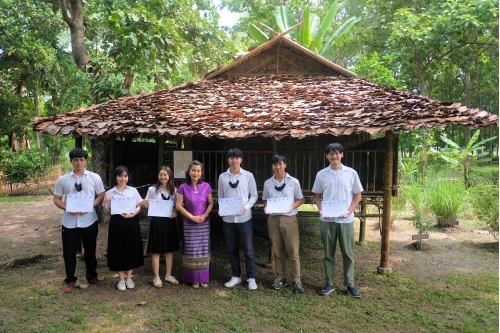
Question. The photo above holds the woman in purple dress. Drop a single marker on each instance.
(194, 201)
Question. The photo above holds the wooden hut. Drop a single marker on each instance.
(278, 98)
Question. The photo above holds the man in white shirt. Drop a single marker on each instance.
(283, 225)
(338, 182)
(236, 182)
(79, 225)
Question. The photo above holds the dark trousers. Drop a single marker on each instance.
(236, 233)
(70, 239)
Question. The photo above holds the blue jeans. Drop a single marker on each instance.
(236, 233)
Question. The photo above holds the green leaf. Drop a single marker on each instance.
(282, 17)
(325, 25)
(257, 34)
(328, 49)
(449, 142)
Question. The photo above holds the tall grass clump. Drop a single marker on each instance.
(414, 194)
(445, 198)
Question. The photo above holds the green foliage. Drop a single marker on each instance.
(13, 115)
(445, 199)
(414, 194)
(374, 68)
(313, 32)
(25, 166)
(465, 158)
(484, 201)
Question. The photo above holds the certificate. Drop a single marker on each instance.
(279, 205)
(334, 208)
(120, 205)
(230, 206)
(79, 203)
(182, 158)
(161, 208)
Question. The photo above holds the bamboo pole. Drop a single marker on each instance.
(385, 247)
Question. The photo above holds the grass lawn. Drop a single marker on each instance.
(31, 300)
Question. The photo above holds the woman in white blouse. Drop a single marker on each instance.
(124, 234)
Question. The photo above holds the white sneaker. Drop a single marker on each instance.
(252, 285)
(231, 283)
(130, 284)
(157, 283)
(121, 285)
(171, 279)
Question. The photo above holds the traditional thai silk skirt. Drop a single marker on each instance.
(196, 258)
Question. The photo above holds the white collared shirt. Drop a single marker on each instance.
(246, 189)
(155, 194)
(291, 189)
(341, 185)
(127, 192)
(91, 185)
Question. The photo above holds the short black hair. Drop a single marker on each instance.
(188, 177)
(278, 158)
(77, 153)
(118, 171)
(334, 147)
(235, 152)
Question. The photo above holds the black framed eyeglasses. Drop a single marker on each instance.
(235, 185)
(78, 187)
(280, 188)
(164, 197)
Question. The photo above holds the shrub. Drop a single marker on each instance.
(445, 198)
(484, 200)
(415, 195)
(26, 165)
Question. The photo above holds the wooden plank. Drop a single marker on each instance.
(420, 236)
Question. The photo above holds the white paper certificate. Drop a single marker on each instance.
(161, 208)
(230, 206)
(334, 208)
(79, 203)
(120, 205)
(279, 205)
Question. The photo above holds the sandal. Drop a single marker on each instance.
(196, 285)
(204, 285)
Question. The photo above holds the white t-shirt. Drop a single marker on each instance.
(341, 185)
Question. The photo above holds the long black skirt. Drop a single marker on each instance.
(124, 243)
(163, 236)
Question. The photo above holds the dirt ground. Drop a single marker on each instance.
(29, 229)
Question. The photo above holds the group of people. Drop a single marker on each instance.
(193, 200)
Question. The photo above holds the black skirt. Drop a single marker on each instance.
(163, 236)
(124, 243)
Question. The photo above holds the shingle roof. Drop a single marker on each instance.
(267, 106)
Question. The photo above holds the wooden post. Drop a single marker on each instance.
(111, 168)
(385, 247)
(362, 225)
(161, 151)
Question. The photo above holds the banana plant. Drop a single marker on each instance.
(312, 33)
(467, 157)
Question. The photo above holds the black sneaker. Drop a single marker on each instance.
(351, 290)
(297, 287)
(279, 283)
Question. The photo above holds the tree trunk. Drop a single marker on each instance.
(75, 23)
(55, 101)
(127, 83)
(37, 114)
(99, 163)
